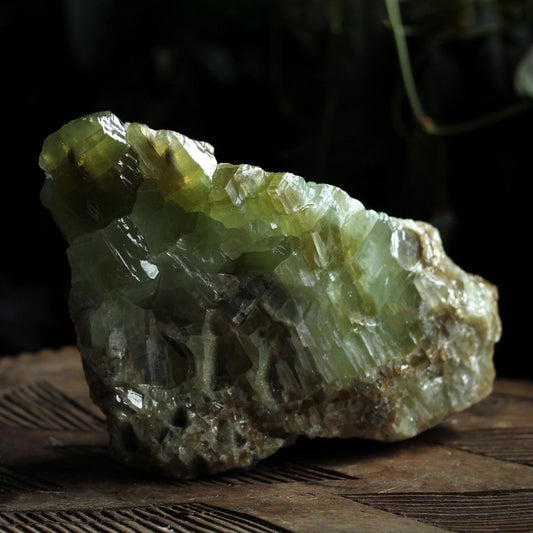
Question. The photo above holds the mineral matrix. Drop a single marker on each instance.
(222, 310)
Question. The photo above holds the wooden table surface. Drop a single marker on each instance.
(472, 473)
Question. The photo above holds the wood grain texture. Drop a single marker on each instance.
(473, 473)
(484, 511)
(179, 517)
(39, 405)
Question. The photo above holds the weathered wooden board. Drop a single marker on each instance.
(472, 473)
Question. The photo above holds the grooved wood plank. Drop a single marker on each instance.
(485, 511)
(13, 481)
(39, 405)
(154, 518)
(507, 444)
(271, 472)
(474, 472)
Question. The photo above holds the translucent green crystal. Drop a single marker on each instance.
(222, 310)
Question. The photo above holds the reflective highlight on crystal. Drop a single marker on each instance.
(222, 310)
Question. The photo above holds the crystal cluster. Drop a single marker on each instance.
(222, 310)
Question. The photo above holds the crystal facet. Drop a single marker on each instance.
(222, 310)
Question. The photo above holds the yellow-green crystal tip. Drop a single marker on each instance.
(222, 310)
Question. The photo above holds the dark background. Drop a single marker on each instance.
(307, 86)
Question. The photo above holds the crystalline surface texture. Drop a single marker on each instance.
(222, 310)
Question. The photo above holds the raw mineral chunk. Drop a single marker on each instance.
(222, 310)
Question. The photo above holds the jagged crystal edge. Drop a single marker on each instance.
(222, 310)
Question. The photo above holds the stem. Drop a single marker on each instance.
(395, 17)
(485, 120)
(393, 9)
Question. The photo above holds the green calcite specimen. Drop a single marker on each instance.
(222, 310)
